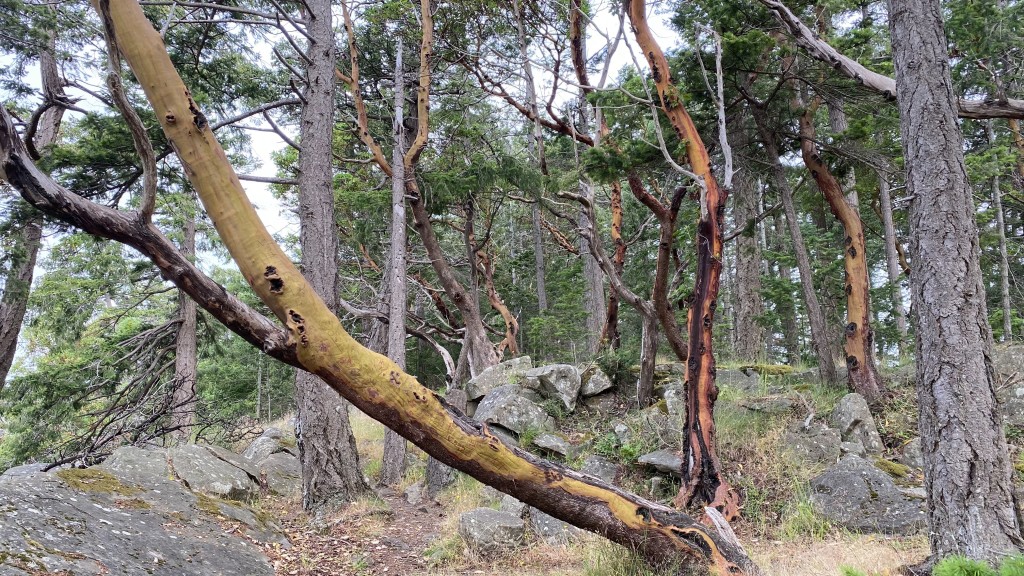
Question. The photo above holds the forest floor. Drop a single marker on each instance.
(385, 535)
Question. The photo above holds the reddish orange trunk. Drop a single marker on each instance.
(703, 481)
(859, 343)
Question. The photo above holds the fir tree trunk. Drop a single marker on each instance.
(815, 317)
(27, 241)
(393, 463)
(892, 264)
(966, 463)
(183, 404)
(1004, 266)
(327, 449)
(750, 335)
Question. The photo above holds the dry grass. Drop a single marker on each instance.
(870, 554)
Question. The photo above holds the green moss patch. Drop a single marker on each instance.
(96, 481)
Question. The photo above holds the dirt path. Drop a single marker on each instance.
(384, 535)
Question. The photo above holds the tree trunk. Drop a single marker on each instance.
(320, 343)
(892, 264)
(327, 449)
(593, 293)
(702, 474)
(750, 335)
(538, 257)
(536, 146)
(966, 464)
(183, 404)
(860, 344)
(1004, 266)
(393, 463)
(28, 240)
(815, 317)
(787, 307)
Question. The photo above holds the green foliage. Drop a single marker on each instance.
(961, 566)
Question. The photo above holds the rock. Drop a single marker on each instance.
(817, 444)
(488, 532)
(1011, 404)
(23, 470)
(260, 529)
(497, 376)
(266, 445)
(553, 443)
(550, 529)
(622, 433)
(283, 473)
(144, 466)
(774, 404)
(505, 407)
(669, 370)
(600, 467)
(49, 526)
(512, 505)
(240, 462)
(506, 435)
(748, 382)
(414, 493)
(603, 403)
(663, 461)
(656, 483)
(852, 418)
(855, 448)
(202, 471)
(595, 381)
(675, 401)
(911, 454)
(856, 495)
(561, 381)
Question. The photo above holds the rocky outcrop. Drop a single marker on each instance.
(663, 461)
(487, 532)
(496, 376)
(555, 381)
(282, 473)
(203, 470)
(552, 443)
(817, 443)
(601, 467)
(853, 419)
(270, 442)
(856, 495)
(506, 407)
(97, 521)
(595, 381)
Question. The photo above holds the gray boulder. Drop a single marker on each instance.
(663, 461)
(512, 505)
(816, 444)
(594, 381)
(505, 407)
(270, 442)
(858, 496)
(855, 448)
(202, 471)
(911, 454)
(675, 400)
(600, 467)
(414, 493)
(550, 529)
(604, 403)
(852, 418)
(138, 465)
(283, 473)
(49, 525)
(622, 433)
(553, 443)
(496, 376)
(561, 381)
(488, 532)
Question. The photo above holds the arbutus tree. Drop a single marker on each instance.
(314, 338)
(703, 482)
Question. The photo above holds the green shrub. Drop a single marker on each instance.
(961, 566)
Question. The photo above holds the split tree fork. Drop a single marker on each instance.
(316, 340)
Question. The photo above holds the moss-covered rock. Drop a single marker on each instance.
(96, 481)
